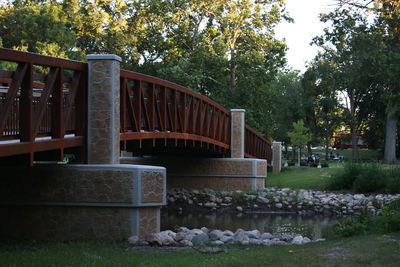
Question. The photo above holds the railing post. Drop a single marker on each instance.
(276, 156)
(237, 133)
(103, 144)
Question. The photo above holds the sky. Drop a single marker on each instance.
(299, 34)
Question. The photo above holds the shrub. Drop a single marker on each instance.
(388, 222)
(393, 181)
(344, 178)
(290, 163)
(371, 178)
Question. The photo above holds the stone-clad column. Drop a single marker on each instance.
(103, 109)
(237, 133)
(276, 156)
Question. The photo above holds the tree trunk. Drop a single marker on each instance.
(327, 145)
(298, 156)
(353, 128)
(293, 153)
(233, 71)
(391, 136)
(309, 151)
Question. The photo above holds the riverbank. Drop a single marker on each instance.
(307, 202)
(375, 250)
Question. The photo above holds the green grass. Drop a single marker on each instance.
(369, 250)
(300, 178)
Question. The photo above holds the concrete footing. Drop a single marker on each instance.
(215, 173)
(67, 202)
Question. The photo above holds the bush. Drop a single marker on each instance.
(393, 181)
(344, 178)
(388, 221)
(290, 163)
(371, 178)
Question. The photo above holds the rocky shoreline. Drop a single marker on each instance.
(185, 237)
(302, 201)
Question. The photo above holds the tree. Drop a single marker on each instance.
(388, 22)
(351, 49)
(300, 136)
(319, 82)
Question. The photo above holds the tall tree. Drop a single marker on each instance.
(388, 20)
(351, 48)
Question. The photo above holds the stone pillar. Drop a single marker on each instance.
(237, 133)
(276, 156)
(103, 109)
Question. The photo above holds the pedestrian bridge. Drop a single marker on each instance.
(128, 136)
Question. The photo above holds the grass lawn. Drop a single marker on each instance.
(370, 250)
(301, 178)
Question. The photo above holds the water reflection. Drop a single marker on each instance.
(313, 227)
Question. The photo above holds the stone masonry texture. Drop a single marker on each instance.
(237, 135)
(67, 202)
(103, 132)
(152, 186)
(148, 221)
(65, 223)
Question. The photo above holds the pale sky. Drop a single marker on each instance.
(299, 34)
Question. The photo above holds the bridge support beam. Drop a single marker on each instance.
(103, 109)
(276, 157)
(67, 202)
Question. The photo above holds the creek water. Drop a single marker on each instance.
(314, 227)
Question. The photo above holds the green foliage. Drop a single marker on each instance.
(386, 222)
(393, 180)
(371, 178)
(365, 178)
(300, 135)
(344, 178)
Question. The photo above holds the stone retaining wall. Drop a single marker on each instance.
(65, 202)
(216, 173)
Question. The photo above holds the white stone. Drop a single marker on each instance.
(278, 205)
(298, 240)
(262, 200)
(253, 234)
(186, 243)
(226, 239)
(216, 235)
(228, 233)
(238, 208)
(266, 236)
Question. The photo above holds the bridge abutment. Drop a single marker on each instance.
(67, 202)
(215, 173)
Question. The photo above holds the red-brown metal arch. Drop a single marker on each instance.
(152, 108)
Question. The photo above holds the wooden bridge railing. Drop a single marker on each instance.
(41, 96)
(152, 108)
(256, 146)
